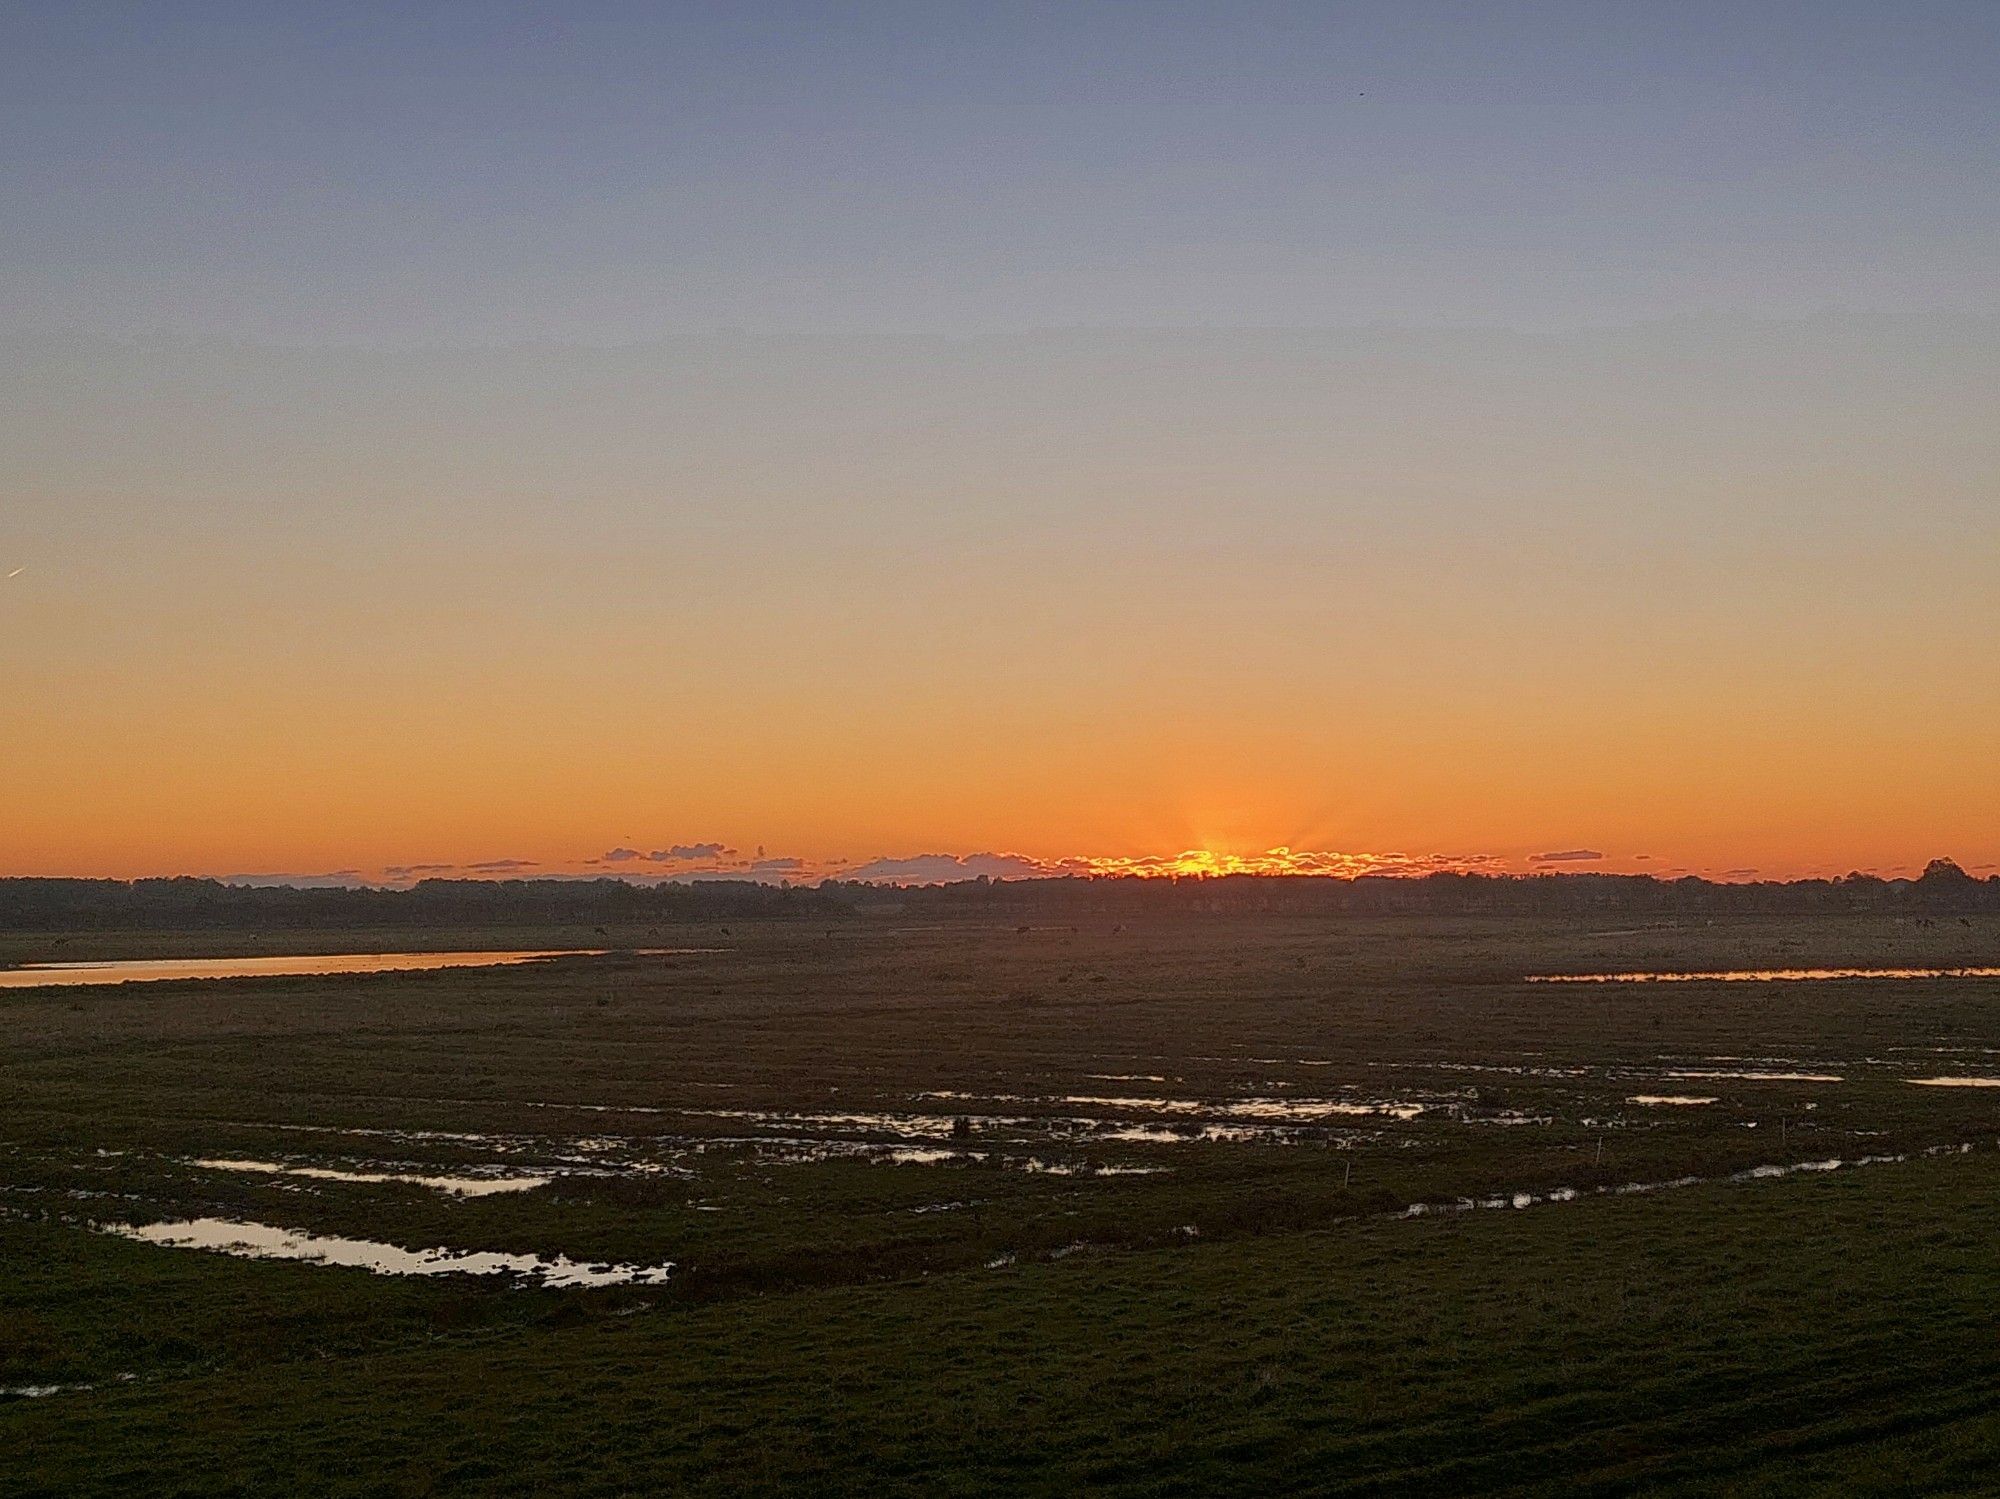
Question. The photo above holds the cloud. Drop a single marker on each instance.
(924, 869)
(683, 863)
(932, 869)
(1281, 861)
(339, 879)
(426, 871)
(1567, 856)
(1737, 874)
(764, 871)
(683, 853)
(679, 853)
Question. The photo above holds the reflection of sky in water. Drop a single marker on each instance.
(457, 1186)
(1956, 1082)
(262, 1241)
(1763, 975)
(1755, 1077)
(1668, 1100)
(156, 970)
(1629, 1189)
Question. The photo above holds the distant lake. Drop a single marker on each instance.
(1764, 975)
(155, 970)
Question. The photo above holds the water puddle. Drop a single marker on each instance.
(1697, 1074)
(953, 1095)
(949, 1126)
(1293, 1110)
(262, 1241)
(456, 1186)
(1193, 1134)
(43, 1391)
(1953, 1051)
(601, 1108)
(1140, 1105)
(1955, 1082)
(1514, 1200)
(1763, 975)
(916, 1126)
(497, 1144)
(1770, 1173)
(1299, 1109)
(158, 970)
(913, 1156)
(1668, 1100)
(1037, 1166)
(888, 1136)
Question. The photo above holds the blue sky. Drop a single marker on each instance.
(481, 172)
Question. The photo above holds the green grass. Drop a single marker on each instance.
(824, 1334)
(1758, 1338)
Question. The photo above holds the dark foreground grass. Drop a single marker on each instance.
(1806, 1335)
(1085, 1290)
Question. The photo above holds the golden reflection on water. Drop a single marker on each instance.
(156, 970)
(1763, 975)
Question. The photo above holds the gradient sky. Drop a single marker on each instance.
(447, 434)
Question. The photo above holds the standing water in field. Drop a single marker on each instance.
(1763, 975)
(1956, 1082)
(262, 1241)
(1713, 1074)
(456, 1186)
(156, 970)
(1670, 1100)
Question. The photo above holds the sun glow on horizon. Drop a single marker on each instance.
(714, 861)
(1280, 860)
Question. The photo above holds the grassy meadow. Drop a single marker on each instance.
(1207, 1205)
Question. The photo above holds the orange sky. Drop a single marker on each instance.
(1062, 434)
(358, 707)
(286, 647)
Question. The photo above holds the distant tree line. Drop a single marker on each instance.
(1943, 888)
(44, 905)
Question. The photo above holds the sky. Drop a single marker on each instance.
(919, 440)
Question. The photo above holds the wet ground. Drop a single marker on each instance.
(778, 1104)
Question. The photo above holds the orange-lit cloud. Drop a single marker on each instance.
(1279, 861)
(700, 863)
(716, 861)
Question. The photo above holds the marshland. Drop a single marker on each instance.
(907, 1202)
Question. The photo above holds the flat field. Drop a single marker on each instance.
(873, 1206)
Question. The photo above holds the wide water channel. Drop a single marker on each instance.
(156, 970)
